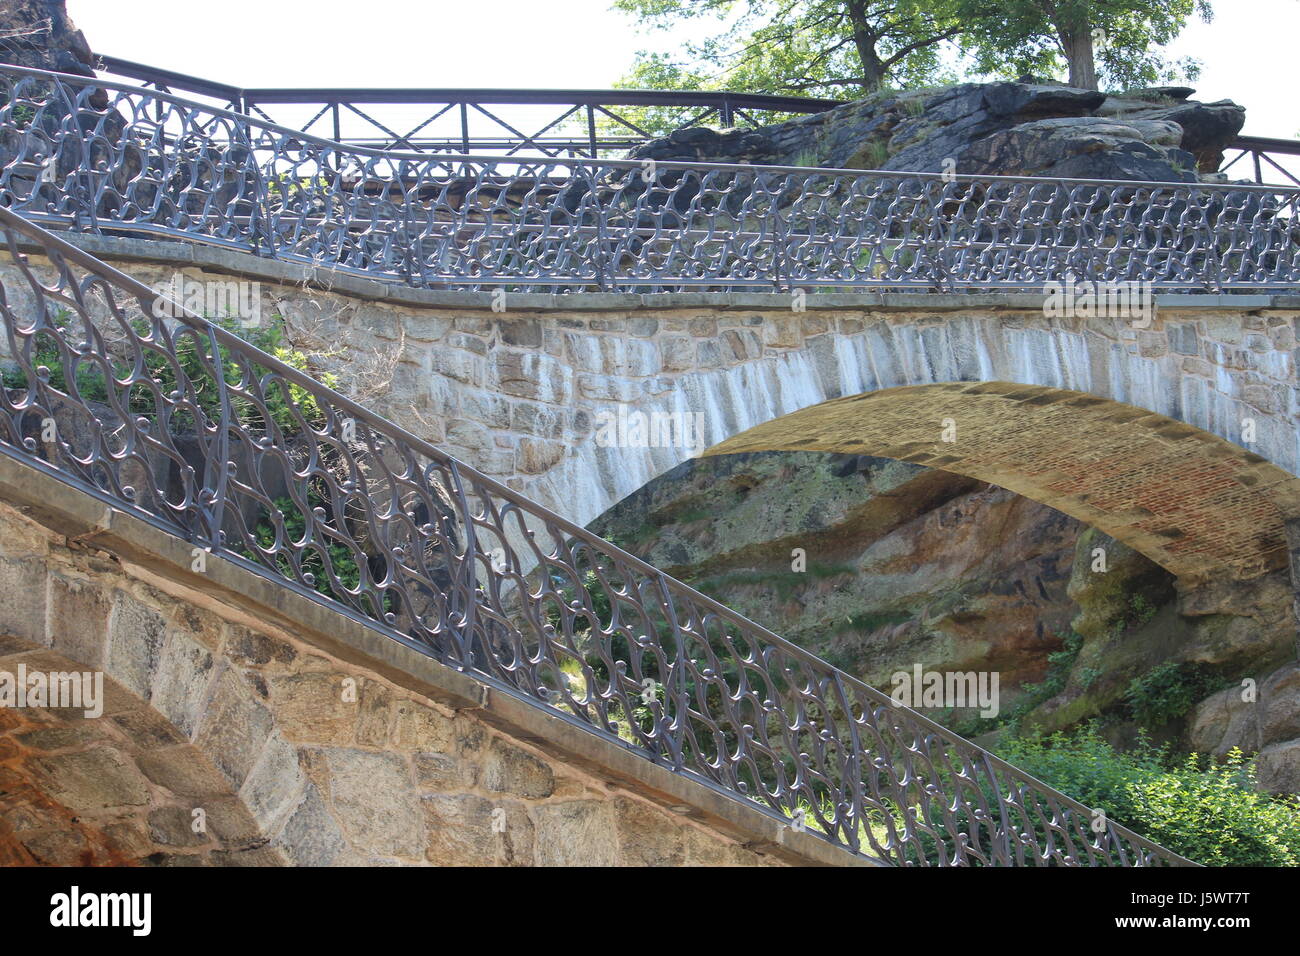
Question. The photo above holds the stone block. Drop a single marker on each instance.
(135, 639)
(443, 773)
(534, 457)
(375, 802)
(522, 333)
(374, 714)
(508, 769)
(576, 833)
(417, 726)
(311, 836)
(274, 783)
(183, 770)
(469, 830)
(647, 837)
(174, 826)
(22, 611)
(310, 708)
(234, 727)
(92, 779)
(181, 680)
(78, 620)
(678, 352)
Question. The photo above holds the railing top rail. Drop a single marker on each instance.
(515, 160)
(520, 95)
(1272, 144)
(51, 243)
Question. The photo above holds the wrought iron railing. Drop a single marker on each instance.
(90, 155)
(182, 423)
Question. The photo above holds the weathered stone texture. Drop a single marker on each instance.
(292, 756)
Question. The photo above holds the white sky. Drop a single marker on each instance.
(1248, 53)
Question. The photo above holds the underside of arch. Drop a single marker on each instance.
(1190, 501)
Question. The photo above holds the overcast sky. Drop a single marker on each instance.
(1248, 53)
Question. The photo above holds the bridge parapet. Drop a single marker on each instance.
(152, 163)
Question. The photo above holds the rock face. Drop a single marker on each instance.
(40, 34)
(1006, 128)
(907, 565)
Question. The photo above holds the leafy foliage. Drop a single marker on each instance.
(191, 364)
(1120, 39)
(1207, 813)
(815, 47)
(851, 48)
(1170, 690)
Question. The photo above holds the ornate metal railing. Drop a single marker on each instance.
(81, 153)
(171, 418)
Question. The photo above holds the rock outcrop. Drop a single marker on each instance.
(1005, 128)
(40, 34)
(908, 565)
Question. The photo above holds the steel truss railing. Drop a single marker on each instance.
(1265, 154)
(179, 422)
(94, 156)
(584, 122)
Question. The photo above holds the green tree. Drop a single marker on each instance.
(846, 48)
(810, 47)
(1117, 41)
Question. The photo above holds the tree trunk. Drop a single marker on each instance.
(1076, 41)
(874, 70)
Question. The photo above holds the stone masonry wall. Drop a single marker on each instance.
(295, 756)
(519, 393)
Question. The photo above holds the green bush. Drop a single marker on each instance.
(280, 397)
(1210, 814)
(1169, 690)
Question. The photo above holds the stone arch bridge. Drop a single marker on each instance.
(1178, 435)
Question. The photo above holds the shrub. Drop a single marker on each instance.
(1170, 690)
(1210, 814)
(92, 385)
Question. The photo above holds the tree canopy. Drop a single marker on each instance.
(1115, 42)
(848, 48)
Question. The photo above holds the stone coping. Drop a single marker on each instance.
(71, 512)
(246, 265)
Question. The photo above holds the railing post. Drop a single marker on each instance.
(218, 465)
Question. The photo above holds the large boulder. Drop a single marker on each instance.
(40, 34)
(1005, 128)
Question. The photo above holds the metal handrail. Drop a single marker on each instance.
(157, 164)
(188, 426)
(584, 108)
